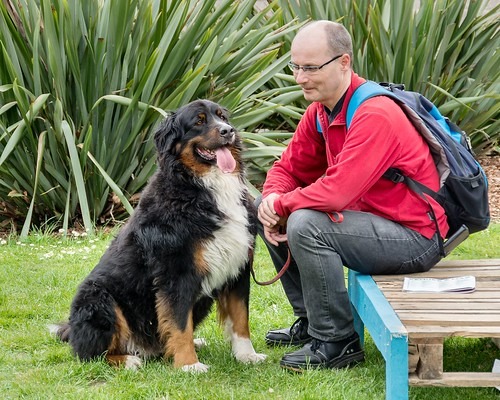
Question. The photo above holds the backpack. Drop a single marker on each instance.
(463, 189)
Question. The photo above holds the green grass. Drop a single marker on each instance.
(39, 276)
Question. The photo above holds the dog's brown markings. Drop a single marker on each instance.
(116, 354)
(165, 318)
(199, 261)
(190, 162)
(116, 360)
(231, 306)
(179, 343)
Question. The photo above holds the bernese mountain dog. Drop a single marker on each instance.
(188, 244)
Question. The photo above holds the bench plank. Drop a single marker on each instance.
(450, 331)
(478, 296)
(443, 318)
(494, 262)
(459, 379)
(430, 306)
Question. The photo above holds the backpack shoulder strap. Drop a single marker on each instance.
(364, 92)
(318, 126)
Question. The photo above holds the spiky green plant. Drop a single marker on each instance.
(85, 81)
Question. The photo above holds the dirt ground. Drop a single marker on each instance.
(491, 166)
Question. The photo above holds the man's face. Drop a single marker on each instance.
(325, 84)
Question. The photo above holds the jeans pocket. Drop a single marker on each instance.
(429, 257)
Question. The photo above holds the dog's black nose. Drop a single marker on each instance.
(226, 131)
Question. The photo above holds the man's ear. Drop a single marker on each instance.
(346, 61)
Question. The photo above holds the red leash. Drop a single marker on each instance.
(280, 274)
(336, 217)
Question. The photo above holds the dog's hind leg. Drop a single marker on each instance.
(233, 314)
(117, 351)
(97, 327)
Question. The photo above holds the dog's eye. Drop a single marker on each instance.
(221, 115)
(201, 119)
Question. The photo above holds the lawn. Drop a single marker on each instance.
(38, 278)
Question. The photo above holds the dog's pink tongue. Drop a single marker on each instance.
(225, 160)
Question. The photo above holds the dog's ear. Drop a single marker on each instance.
(167, 134)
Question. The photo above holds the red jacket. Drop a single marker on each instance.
(342, 170)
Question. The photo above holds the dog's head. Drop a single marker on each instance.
(199, 136)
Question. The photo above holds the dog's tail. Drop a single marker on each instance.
(60, 331)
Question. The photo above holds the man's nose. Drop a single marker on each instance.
(300, 76)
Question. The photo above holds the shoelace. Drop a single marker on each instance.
(315, 345)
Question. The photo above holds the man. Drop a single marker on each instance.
(326, 201)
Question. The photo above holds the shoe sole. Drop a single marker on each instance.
(338, 363)
(285, 343)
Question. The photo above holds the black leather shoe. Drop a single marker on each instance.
(319, 354)
(293, 336)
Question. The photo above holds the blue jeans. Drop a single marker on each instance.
(315, 282)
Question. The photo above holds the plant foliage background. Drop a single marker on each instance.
(83, 84)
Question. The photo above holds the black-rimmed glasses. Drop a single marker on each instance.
(310, 68)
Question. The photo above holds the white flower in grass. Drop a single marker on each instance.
(3, 241)
(50, 254)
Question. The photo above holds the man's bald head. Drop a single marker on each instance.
(335, 36)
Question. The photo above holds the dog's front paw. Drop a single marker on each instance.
(132, 363)
(196, 368)
(243, 351)
(251, 357)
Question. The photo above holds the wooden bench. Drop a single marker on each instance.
(399, 322)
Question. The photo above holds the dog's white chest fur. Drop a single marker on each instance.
(227, 252)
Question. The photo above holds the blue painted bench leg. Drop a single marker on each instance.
(359, 326)
(372, 310)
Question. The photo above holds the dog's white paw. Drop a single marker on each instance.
(243, 351)
(133, 363)
(251, 358)
(196, 368)
(199, 343)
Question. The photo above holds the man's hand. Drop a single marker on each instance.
(275, 235)
(274, 225)
(266, 212)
